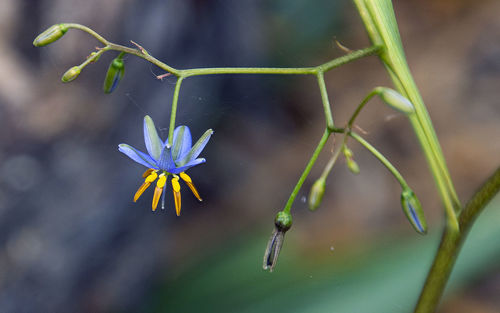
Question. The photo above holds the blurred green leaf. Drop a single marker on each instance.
(385, 277)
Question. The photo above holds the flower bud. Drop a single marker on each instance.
(352, 166)
(316, 194)
(50, 35)
(71, 74)
(347, 152)
(413, 211)
(95, 57)
(115, 73)
(395, 100)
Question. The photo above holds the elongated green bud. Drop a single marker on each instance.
(71, 74)
(353, 166)
(316, 194)
(115, 73)
(395, 100)
(50, 35)
(413, 211)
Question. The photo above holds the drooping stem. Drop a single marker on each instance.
(381, 158)
(306, 171)
(173, 114)
(450, 245)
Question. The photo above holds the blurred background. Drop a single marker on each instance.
(72, 240)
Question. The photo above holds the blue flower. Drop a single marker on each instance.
(164, 160)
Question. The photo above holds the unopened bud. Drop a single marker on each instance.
(94, 56)
(347, 152)
(50, 35)
(71, 74)
(413, 211)
(395, 100)
(316, 194)
(115, 73)
(352, 166)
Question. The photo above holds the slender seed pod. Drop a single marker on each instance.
(395, 100)
(71, 74)
(282, 223)
(413, 211)
(316, 194)
(115, 73)
(50, 35)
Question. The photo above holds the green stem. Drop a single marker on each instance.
(326, 102)
(91, 59)
(174, 111)
(306, 171)
(355, 55)
(381, 158)
(450, 245)
(329, 166)
(360, 107)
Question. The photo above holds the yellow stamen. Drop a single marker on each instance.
(147, 172)
(177, 194)
(151, 178)
(191, 186)
(160, 184)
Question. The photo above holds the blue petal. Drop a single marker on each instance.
(182, 142)
(153, 142)
(187, 166)
(196, 149)
(137, 156)
(166, 162)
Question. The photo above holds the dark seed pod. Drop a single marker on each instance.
(282, 223)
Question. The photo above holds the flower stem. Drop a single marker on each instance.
(306, 171)
(175, 100)
(324, 99)
(381, 158)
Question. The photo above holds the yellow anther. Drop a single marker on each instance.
(175, 184)
(185, 177)
(147, 172)
(177, 194)
(190, 184)
(160, 184)
(151, 178)
(161, 181)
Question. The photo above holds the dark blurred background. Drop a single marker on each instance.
(72, 240)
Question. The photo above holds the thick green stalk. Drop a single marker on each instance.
(450, 245)
(380, 22)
